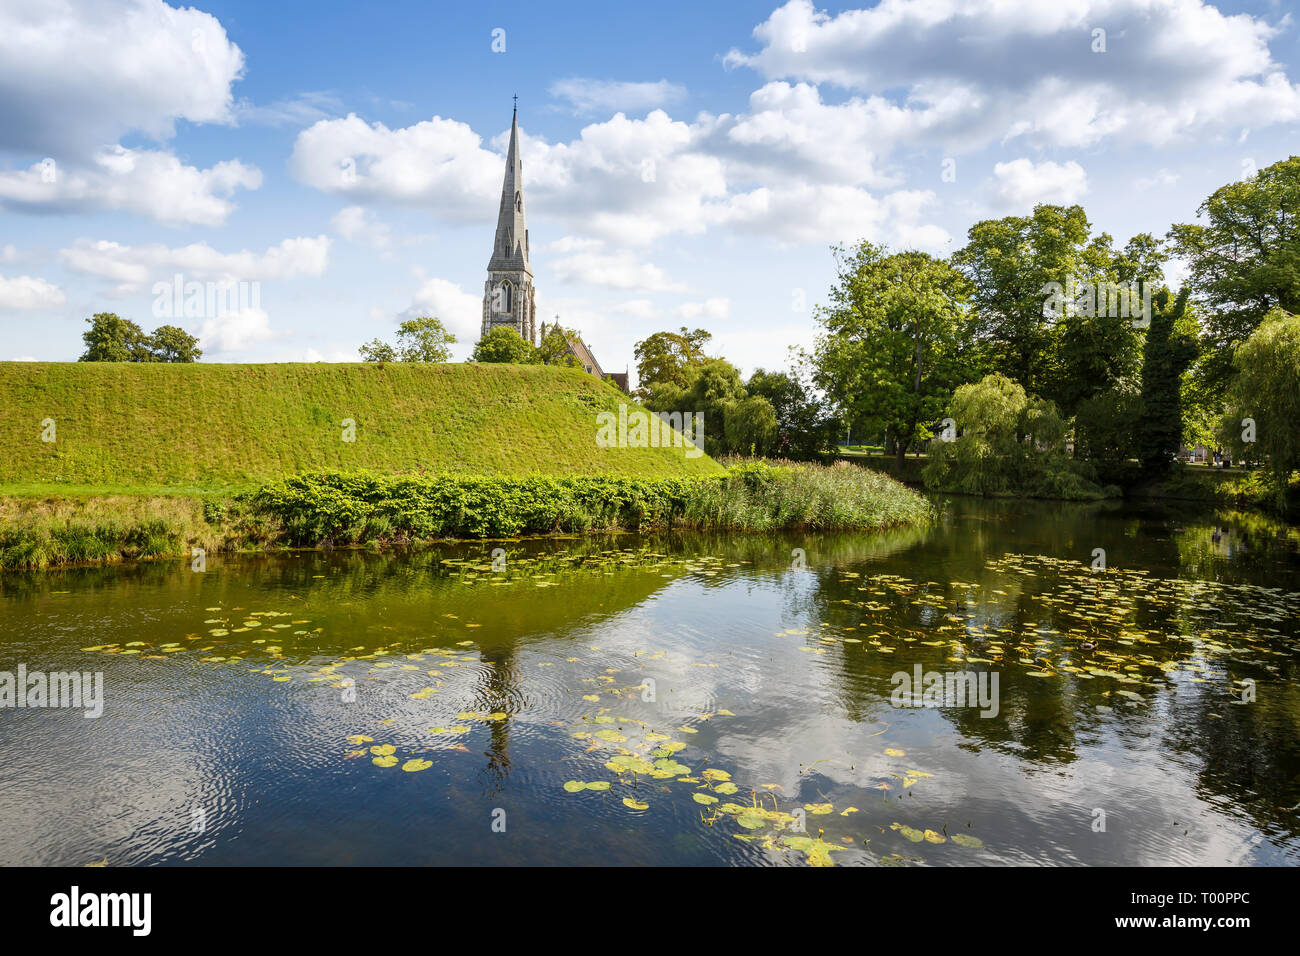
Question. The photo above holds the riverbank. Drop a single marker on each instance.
(337, 509)
(1230, 488)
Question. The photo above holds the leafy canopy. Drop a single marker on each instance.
(423, 339)
(896, 340)
(111, 338)
(504, 344)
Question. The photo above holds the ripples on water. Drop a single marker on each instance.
(720, 691)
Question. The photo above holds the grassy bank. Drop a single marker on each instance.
(350, 508)
(123, 424)
(749, 496)
(1234, 488)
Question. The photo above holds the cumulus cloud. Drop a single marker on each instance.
(1021, 183)
(461, 312)
(357, 224)
(1023, 68)
(29, 292)
(635, 181)
(236, 331)
(76, 77)
(812, 213)
(620, 270)
(439, 164)
(150, 183)
(76, 74)
(134, 266)
(791, 133)
(586, 96)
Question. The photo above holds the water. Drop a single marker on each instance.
(774, 677)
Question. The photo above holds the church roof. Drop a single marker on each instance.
(510, 246)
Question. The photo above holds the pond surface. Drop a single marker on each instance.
(729, 705)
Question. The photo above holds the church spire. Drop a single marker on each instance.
(508, 295)
(510, 248)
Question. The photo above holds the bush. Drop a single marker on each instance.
(347, 508)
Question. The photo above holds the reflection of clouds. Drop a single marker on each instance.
(71, 800)
(792, 730)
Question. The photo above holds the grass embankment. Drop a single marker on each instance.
(332, 508)
(202, 427)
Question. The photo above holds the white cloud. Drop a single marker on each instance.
(151, 183)
(76, 74)
(587, 96)
(1171, 68)
(76, 77)
(1021, 183)
(29, 292)
(811, 213)
(715, 308)
(791, 134)
(236, 331)
(357, 224)
(438, 164)
(635, 181)
(9, 253)
(134, 266)
(460, 311)
(619, 270)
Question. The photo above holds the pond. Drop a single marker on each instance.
(691, 700)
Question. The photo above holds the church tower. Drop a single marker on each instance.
(508, 292)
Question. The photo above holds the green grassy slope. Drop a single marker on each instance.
(160, 425)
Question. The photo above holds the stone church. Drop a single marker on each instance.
(509, 297)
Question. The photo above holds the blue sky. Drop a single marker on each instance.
(684, 163)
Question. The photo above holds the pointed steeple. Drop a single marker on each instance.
(510, 247)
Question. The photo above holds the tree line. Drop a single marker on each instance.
(1041, 357)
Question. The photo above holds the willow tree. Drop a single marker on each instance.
(1264, 399)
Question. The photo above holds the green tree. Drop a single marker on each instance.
(169, 343)
(1167, 353)
(1243, 261)
(377, 350)
(734, 421)
(554, 348)
(1105, 428)
(422, 339)
(804, 427)
(1058, 339)
(111, 338)
(504, 345)
(895, 342)
(669, 357)
(1266, 390)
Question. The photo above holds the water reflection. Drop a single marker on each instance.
(767, 659)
